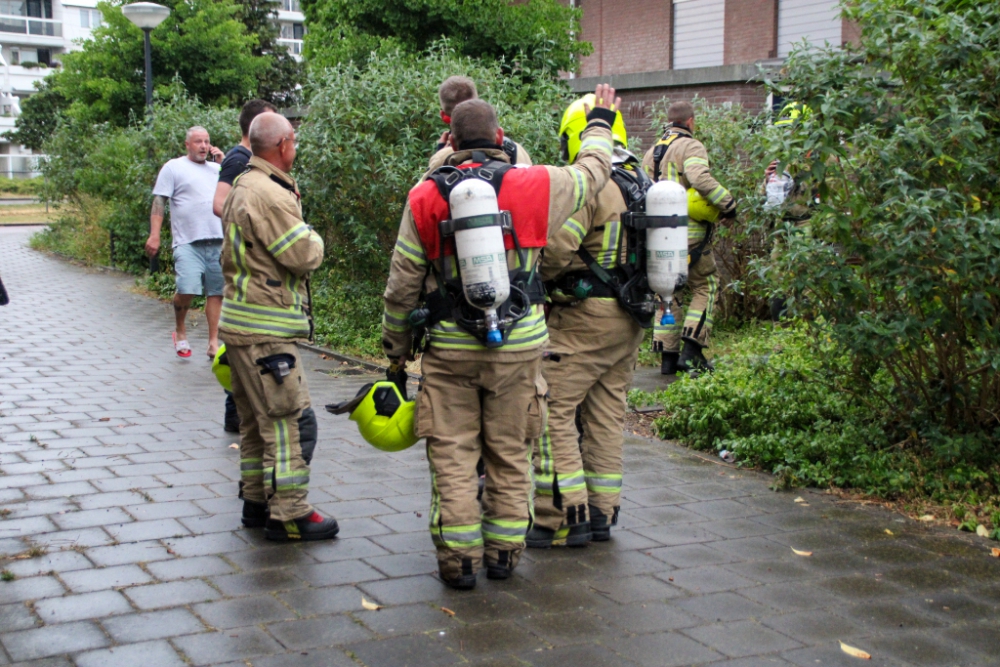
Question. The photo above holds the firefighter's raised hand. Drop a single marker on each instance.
(605, 98)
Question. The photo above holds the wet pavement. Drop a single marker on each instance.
(121, 531)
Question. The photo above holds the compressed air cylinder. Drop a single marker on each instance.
(482, 258)
(666, 246)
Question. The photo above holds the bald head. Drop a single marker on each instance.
(474, 120)
(266, 132)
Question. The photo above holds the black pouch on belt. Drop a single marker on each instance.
(278, 365)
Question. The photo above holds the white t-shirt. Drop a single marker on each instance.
(191, 189)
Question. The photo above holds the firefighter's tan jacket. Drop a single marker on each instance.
(410, 274)
(596, 227)
(686, 162)
(267, 254)
(441, 157)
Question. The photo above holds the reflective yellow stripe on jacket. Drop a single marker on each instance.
(252, 319)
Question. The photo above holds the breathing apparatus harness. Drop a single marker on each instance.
(659, 152)
(626, 282)
(449, 301)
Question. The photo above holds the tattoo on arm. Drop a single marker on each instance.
(159, 204)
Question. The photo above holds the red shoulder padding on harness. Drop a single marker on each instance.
(524, 192)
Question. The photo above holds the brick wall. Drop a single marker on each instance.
(751, 31)
(627, 37)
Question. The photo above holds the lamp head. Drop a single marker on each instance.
(145, 15)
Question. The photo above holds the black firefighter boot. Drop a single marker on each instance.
(692, 359)
(600, 524)
(465, 581)
(309, 528)
(502, 568)
(668, 363)
(575, 532)
(255, 515)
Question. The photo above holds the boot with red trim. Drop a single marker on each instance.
(307, 529)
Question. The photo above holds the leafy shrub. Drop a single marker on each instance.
(113, 170)
(776, 403)
(21, 187)
(900, 263)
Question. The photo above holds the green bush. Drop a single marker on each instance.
(22, 187)
(115, 169)
(366, 142)
(776, 403)
(900, 263)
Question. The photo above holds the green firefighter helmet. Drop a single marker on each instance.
(220, 367)
(384, 417)
(700, 209)
(574, 120)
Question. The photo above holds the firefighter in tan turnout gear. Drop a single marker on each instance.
(679, 157)
(480, 219)
(592, 351)
(267, 255)
(451, 93)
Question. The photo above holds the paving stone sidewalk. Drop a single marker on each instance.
(121, 526)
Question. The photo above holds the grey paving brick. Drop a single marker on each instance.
(153, 625)
(344, 572)
(189, 568)
(104, 578)
(167, 510)
(320, 601)
(207, 545)
(134, 552)
(411, 651)
(53, 640)
(148, 654)
(171, 594)
(147, 530)
(57, 561)
(16, 616)
(90, 518)
(32, 588)
(667, 649)
(214, 647)
(226, 614)
(81, 607)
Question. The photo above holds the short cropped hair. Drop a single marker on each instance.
(680, 112)
(474, 120)
(192, 130)
(454, 91)
(251, 110)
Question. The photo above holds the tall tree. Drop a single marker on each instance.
(538, 33)
(279, 83)
(40, 114)
(201, 42)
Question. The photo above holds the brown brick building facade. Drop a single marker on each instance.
(636, 44)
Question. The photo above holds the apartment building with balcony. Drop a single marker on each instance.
(650, 49)
(291, 26)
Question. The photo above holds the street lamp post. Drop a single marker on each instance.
(147, 15)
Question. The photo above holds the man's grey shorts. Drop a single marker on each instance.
(198, 267)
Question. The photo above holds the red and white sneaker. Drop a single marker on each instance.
(181, 347)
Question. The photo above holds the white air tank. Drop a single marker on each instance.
(666, 247)
(482, 258)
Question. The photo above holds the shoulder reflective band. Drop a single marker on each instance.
(501, 219)
(643, 221)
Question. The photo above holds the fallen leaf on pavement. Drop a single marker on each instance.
(855, 652)
(370, 606)
(799, 500)
(927, 517)
(995, 552)
(104, 419)
(889, 532)
(447, 611)
(982, 531)
(325, 356)
(234, 446)
(801, 553)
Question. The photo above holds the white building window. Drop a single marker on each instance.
(816, 21)
(699, 31)
(90, 18)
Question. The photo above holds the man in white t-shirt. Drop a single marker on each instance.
(189, 182)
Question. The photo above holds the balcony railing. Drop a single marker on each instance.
(28, 25)
(294, 46)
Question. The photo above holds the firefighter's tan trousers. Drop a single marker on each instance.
(468, 409)
(702, 292)
(271, 465)
(592, 352)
